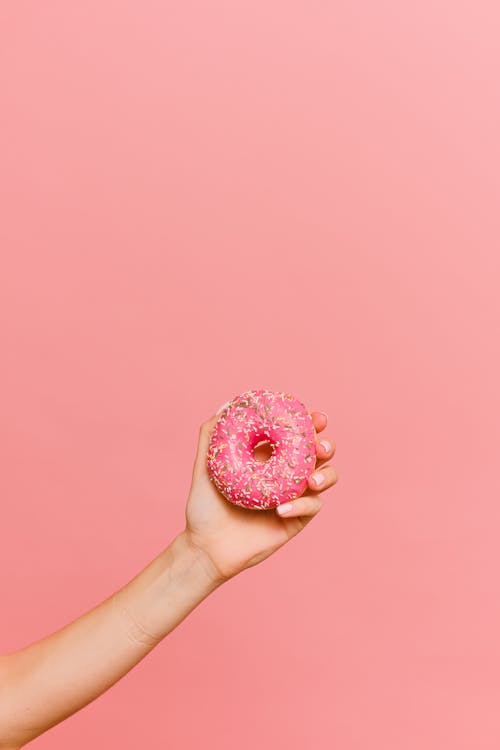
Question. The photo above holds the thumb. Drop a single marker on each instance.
(200, 462)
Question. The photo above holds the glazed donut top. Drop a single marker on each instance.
(250, 418)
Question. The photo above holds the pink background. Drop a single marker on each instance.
(198, 198)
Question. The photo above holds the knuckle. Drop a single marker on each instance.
(332, 474)
(207, 423)
(310, 506)
(204, 428)
(298, 506)
(313, 506)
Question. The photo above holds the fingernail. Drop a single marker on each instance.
(324, 414)
(284, 509)
(326, 446)
(318, 479)
(221, 408)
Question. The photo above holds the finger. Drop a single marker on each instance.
(203, 441)
(319, 420)
(303, 506)
(322, 479)
(325, 448)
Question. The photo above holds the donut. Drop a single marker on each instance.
(253, 417)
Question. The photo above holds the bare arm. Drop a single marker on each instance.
(52, 678)
(49, 680)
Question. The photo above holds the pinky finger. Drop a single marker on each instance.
(303, 506)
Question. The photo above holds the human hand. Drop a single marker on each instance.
(235, 538)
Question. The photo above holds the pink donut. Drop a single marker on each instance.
(250, 418)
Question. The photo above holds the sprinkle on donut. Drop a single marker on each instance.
(254, 416)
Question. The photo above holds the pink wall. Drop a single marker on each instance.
(198, 198)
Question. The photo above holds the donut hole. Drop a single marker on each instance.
(262, 451)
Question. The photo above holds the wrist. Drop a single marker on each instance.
(201, 559)
(172, 585)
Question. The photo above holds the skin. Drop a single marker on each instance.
(44, 683)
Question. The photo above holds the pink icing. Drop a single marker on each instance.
(252, 417)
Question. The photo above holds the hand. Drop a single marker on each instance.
(235, 538)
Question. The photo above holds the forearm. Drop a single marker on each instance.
(52, 678)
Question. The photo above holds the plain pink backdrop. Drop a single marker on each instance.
(198, 198)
